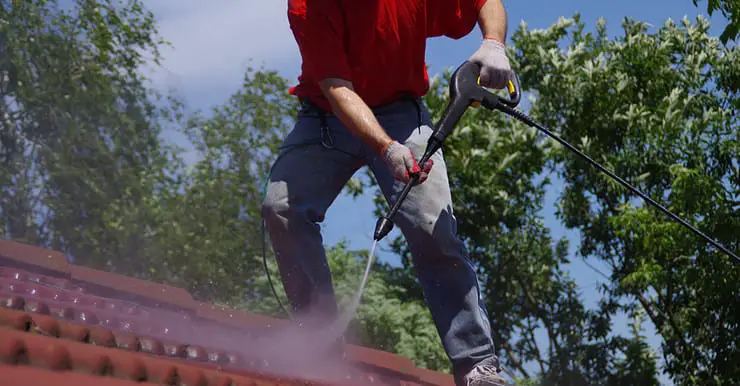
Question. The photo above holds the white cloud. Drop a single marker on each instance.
(214, 40)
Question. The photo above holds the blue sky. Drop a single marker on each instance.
(214, 41)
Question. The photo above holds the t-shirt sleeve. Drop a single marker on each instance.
(452, 18)
(318, 28)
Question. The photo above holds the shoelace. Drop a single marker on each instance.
(485, 373)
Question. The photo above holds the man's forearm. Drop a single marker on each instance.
(492, 20)
(354, 113)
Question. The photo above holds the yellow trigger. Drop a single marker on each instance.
(511, 87)
(476, 103)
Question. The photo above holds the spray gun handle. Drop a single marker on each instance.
(488, 99)
(465, 91)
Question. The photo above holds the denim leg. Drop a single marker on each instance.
(426, 220)
(305, 180)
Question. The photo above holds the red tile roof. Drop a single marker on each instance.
(74, 325)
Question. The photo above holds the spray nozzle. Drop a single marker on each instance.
(383, 226)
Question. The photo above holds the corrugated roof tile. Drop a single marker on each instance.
(161, 295)
(42, 341)
(18, 347)
(30, 376)
(76, 319)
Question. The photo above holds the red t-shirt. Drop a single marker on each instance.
(379, 45)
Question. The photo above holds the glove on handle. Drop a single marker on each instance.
(402, 163)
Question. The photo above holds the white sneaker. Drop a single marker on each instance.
(485, 374)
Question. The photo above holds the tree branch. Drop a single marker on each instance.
(669, 317)
(540, 360)
(538, 312)
(669, 291)
(516, 363)
(654, 318)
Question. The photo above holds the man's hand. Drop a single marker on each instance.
(400, 159)
(495, 69)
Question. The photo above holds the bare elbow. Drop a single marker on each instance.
(335, 88)
(339, 92)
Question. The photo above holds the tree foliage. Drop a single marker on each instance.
(730, 9)
(79, 138)
(211, 241)
(659, 108)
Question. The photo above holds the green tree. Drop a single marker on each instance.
(730, 10)
(211, 234)
(79, 138)
(661, 109)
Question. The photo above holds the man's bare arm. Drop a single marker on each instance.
(492, 20)
(354, 113)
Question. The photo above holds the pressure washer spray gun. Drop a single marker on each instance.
(465, 91)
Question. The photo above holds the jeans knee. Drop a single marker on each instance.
(274, 208)
(436, 246)
(280, 211)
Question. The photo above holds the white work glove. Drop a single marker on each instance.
(495, 69)
(400, 159)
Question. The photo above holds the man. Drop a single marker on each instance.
(363, 76)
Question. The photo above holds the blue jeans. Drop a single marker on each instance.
(314, 164)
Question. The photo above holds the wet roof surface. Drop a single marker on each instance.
(74, 325)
